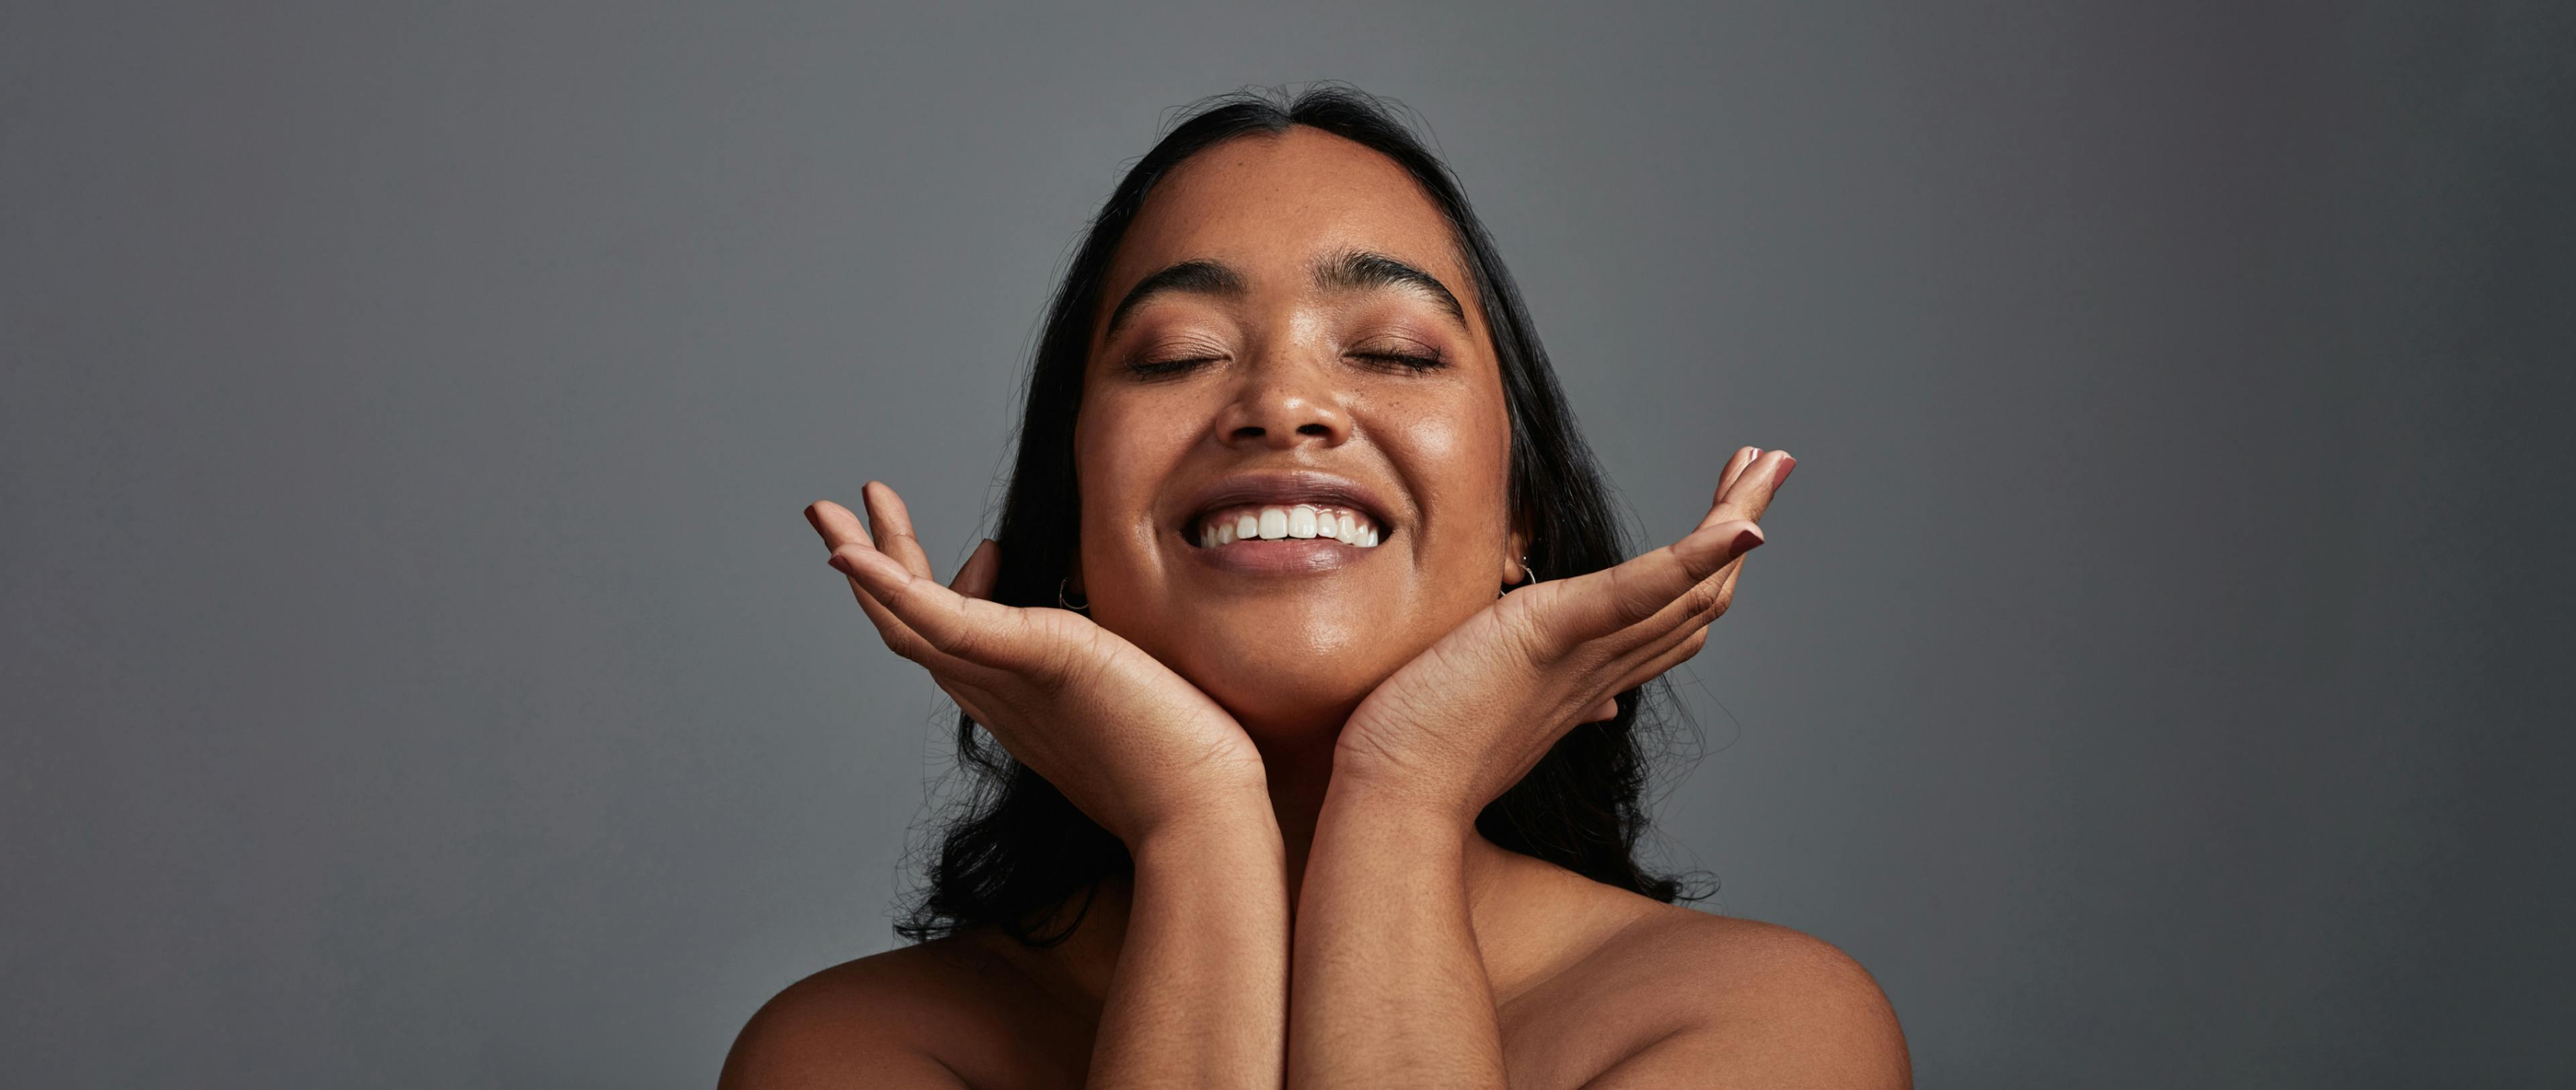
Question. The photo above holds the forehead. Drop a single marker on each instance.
(1269, 204)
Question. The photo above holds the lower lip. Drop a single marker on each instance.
(1281, 556)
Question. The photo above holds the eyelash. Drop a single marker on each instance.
(1162, 368)
(1406, 360)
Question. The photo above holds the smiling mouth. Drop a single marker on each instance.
(1234, 526)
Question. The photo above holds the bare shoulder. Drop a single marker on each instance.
(949, 1013)
(1749, 1003)
(1652, 994)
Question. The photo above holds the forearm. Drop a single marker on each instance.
(1199, 997)
(1390, 989)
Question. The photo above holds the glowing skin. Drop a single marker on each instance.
(1294, 692)
(1291, 381)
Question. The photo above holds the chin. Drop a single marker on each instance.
(1286, 684)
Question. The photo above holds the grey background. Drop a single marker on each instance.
(417, 672)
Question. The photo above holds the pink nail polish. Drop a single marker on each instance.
(1746, 541)
(1786, 464)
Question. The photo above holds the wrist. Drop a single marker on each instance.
(1378, 797)
(1372, 776)
(1234, 823)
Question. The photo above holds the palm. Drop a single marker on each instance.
(1469, 716)
(1128, 741)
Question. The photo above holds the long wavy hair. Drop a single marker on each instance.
(1014, 852)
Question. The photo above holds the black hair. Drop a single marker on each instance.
(1018, 851)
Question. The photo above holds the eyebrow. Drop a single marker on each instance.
(1349, 270)
(1356, 270)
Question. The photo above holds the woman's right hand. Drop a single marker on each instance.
(1133, 745)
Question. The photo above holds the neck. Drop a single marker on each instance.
(1300, 771)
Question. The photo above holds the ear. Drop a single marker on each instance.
(1516, 546)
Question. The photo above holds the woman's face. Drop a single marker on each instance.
(1287, 339)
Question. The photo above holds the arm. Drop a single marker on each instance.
(1390, 988)
(1198, 999)
(1199, 994)
(1389, 985)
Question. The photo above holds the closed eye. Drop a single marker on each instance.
(1406, 360)
(1158, 368)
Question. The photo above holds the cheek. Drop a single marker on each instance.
(1124, 449)
(1456, 459)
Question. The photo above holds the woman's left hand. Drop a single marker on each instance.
(1457, 726)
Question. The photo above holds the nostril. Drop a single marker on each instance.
(1248, 431)
(1313, 429)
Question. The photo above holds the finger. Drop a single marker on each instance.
(841, 528)
(950, 623)
(1643, 587)
(1750, 494)
(1695, 608)
(1744, 456)
(837, 525)
(892, 522)
(896, 634)
(1664, 658)
(975, 576)
(1692, 628)
(1606, 710)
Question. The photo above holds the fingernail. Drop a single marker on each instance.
(1746, 541)
(842, 565)
(1786, 464)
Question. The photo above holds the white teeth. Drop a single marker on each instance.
(1298, 521)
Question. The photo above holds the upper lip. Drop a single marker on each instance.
(1283, 487)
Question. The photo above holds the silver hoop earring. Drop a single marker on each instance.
(1528, 577)
(1060, 585)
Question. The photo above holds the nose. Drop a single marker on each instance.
(1281, 405)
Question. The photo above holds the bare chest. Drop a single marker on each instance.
(1555, 1037)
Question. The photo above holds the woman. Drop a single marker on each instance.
(1309, 641)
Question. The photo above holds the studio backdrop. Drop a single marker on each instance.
(415, 670)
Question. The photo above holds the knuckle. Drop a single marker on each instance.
(910, 646)
(1530, 639)
(963, 641)
(960, 643)
(1064, 665)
